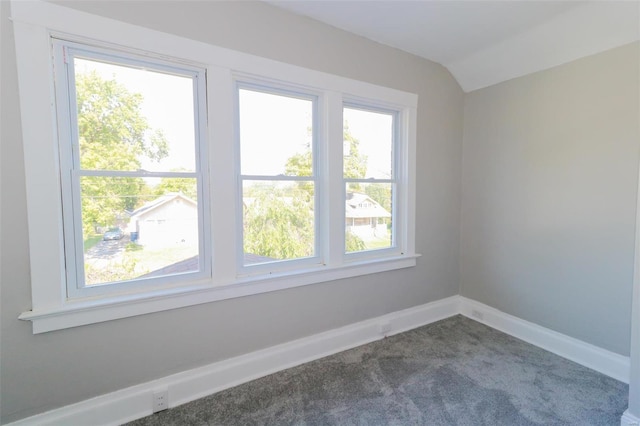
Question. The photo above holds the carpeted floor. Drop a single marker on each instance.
(453, 372)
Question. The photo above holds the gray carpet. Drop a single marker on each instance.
(453, 372)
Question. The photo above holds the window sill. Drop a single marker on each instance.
(84, 312)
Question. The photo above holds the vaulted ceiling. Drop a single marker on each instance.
(483, 42)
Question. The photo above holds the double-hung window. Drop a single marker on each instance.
(132, 169)
(278, 181)
(369, 172)
(162, 172)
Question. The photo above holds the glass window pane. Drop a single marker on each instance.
(134, 119)
(275, 134)
(138, 227)
(368, 216)
(278, 220)
(368, 144)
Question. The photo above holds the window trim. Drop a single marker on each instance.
(36, 22)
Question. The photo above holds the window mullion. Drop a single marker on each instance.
(224, 182)
(332, 170)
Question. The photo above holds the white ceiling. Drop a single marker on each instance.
(483, 42)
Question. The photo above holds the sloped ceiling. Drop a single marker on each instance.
(483, 42)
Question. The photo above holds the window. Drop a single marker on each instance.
(278, 183)
(369, 176)
(171, 173)
(131, 168)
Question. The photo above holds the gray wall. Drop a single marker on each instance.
(50, 370)
(550, 167)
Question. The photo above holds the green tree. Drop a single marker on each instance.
(301, 164)
(355, 163)
(113, 135)
(186, 186)
(278, 224)
(353, 243)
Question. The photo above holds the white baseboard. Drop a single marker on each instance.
(601, 360)
(629, 419)
(136, 402)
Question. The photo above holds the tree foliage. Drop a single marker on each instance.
(301, 164)
(113, 135)
(278, 225)
(186, 186)
(355, 163)
(353, 243)
(120, 270)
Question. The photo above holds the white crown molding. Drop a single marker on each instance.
(136, 402)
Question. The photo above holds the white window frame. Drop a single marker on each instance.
(278, 88)
(64, 52)
(398, 189)
(36, 22)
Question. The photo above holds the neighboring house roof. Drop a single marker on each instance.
(361, 205)
(191, 265)
(158, 202)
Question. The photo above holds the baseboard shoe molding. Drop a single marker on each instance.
(629, 419)
(135, 402)
(598, 359)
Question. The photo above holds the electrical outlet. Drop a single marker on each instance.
(160, 400)
(477, 315)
